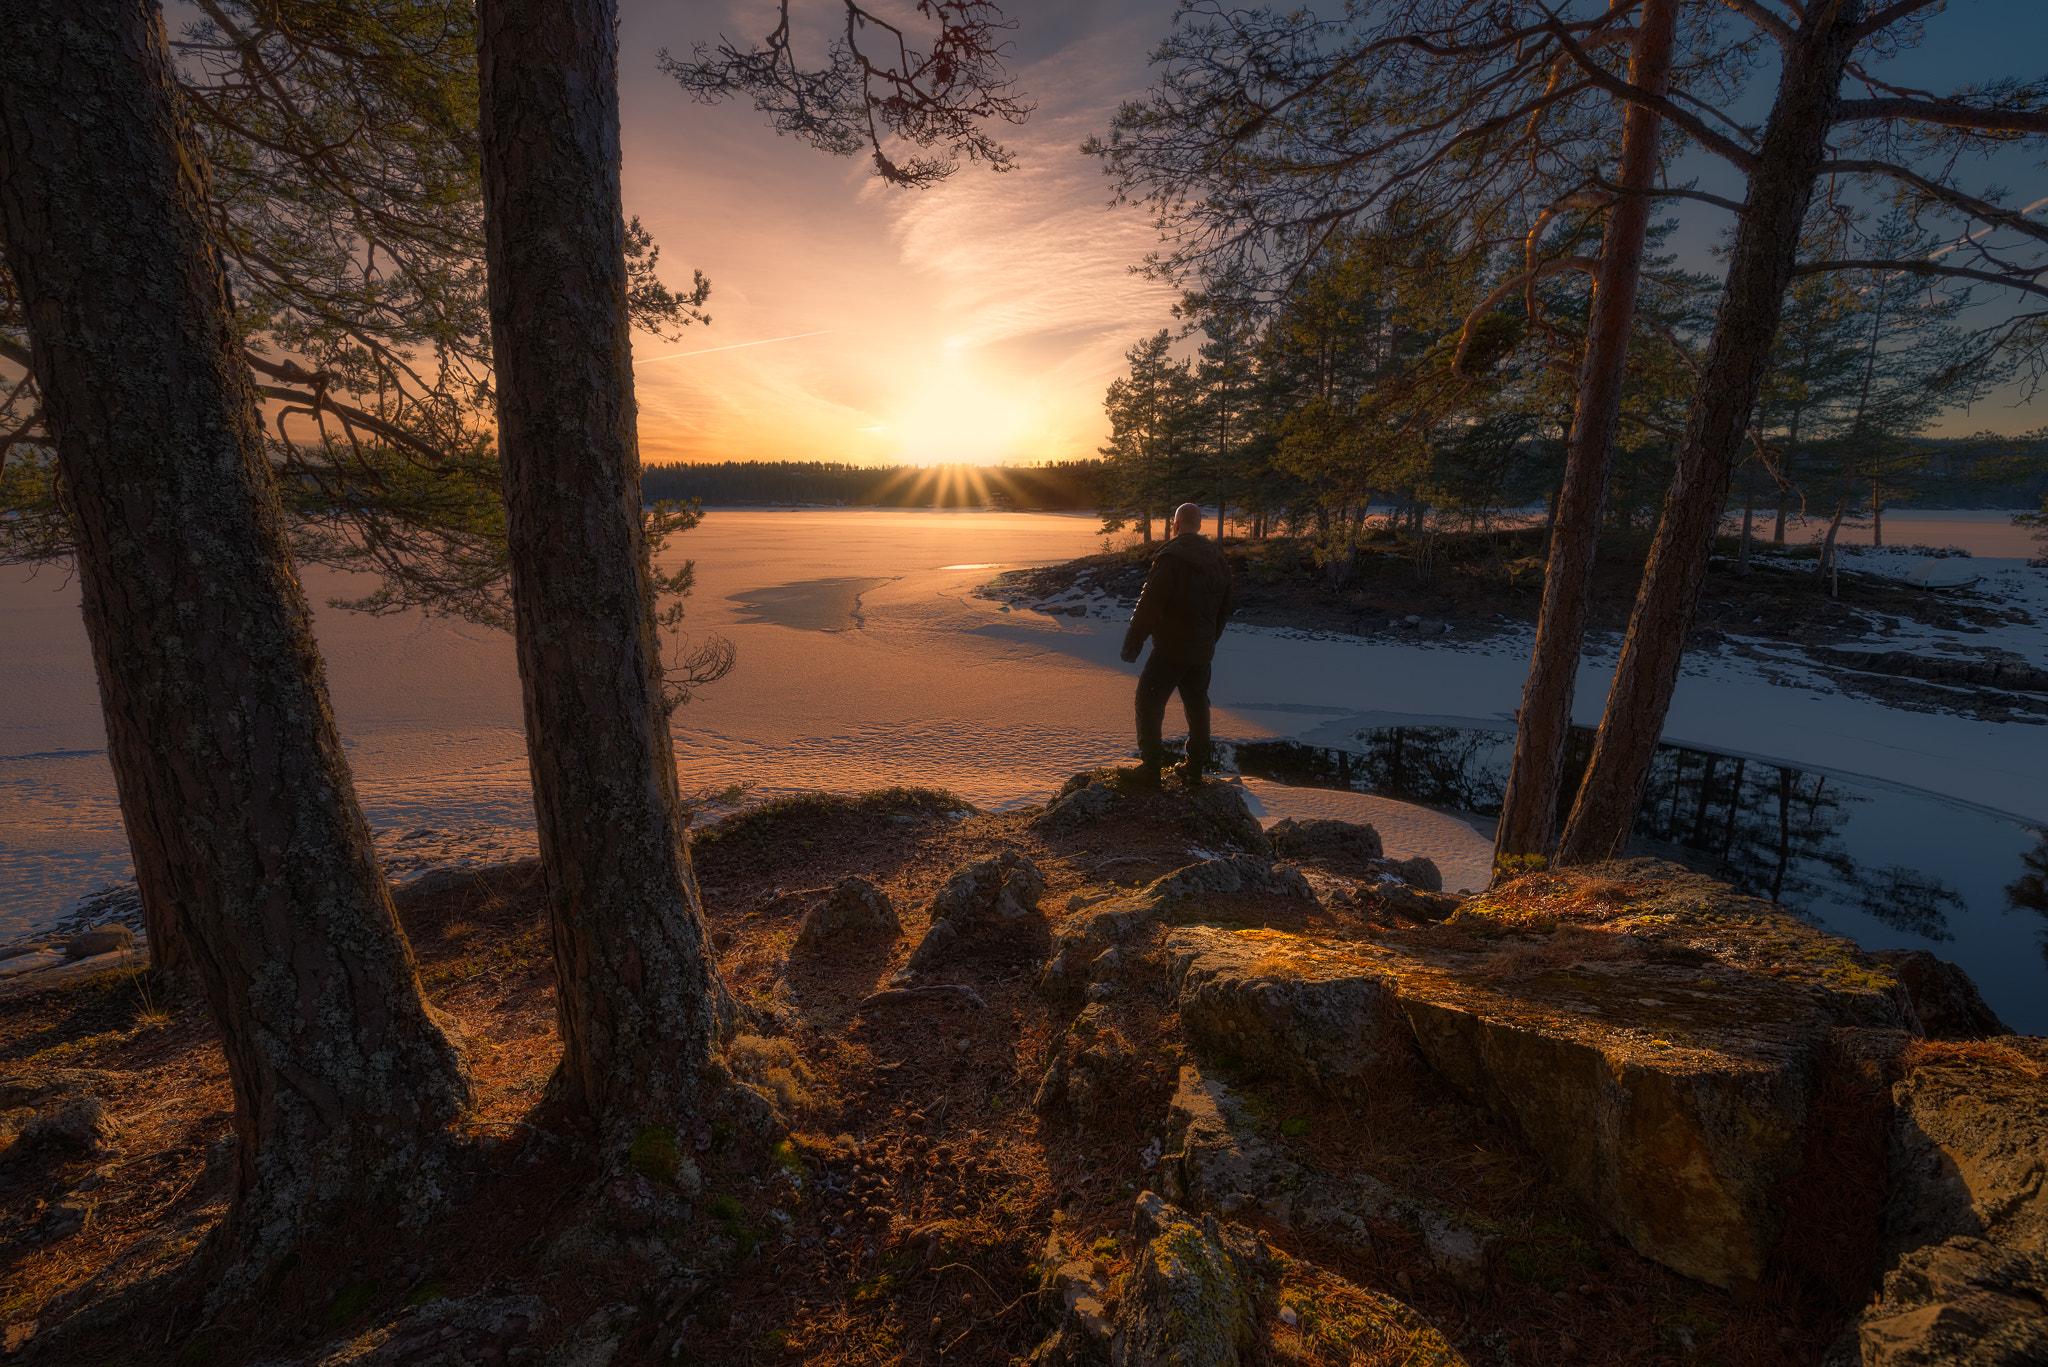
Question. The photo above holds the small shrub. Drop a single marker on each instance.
(350, 1301)
(773, 1067)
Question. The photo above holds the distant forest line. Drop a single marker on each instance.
(1957, 479)
(1058, 486)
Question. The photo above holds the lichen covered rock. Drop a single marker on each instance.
(1189, 1299)
(1965, 1235)
(1227, 1164)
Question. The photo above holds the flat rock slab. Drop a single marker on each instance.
(1315, 1011)
(1652, 1036)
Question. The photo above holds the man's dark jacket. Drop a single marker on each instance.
(1187, 599)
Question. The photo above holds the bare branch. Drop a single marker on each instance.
(1621, 89)
(2027, 282)
(1947, 113)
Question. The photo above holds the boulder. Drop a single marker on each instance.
(1208, 813)
(99, 940)
(1003, 887)
(993, 891)
(1654, 1037)
(853, 904)
(1392, 896)
(1335, 840)
(77, 1122)
(1420, 872)
(1088, 1070)
(1078, 1295)
(1945, 1000)
(1969, 1149)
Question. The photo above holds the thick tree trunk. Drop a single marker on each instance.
(215, 701)
(1759, 270)
(1528, 820)
(638, 1002)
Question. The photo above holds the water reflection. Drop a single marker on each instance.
(1889, 867)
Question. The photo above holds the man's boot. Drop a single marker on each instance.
(1142, 776)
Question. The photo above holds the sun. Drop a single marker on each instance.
(957, 411)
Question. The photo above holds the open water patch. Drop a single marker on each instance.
(807, 605)
(1887, 866)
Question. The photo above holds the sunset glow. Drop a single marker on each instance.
(977, 321)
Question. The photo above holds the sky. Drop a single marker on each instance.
(980, 320)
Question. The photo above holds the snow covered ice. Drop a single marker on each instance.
(867, 658)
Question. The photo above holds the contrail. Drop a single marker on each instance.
(676, 355)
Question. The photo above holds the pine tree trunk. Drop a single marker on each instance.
(1759, 271)
(1528, 820)
(638, 1002)
(218, 727)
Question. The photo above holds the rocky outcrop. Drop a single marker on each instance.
(1200, 1292)
(1087, 1070)
(1947, 1003)
(1000, 889)
(1960, 1303)
(1966, 1230)
(1303, 1009)
(853, 904)
(1212, 814)
(1230, 1163)
(447, 1333)
(1079, 1296)
(1653, 1037)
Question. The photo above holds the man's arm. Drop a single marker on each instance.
(1229, 605)
(1145, 617)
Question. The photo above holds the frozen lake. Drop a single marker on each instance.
(865, 659)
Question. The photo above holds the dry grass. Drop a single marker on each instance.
(1985, 1053)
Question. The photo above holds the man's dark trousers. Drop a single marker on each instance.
(1163, 673)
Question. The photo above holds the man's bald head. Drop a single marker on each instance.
(1187, 518)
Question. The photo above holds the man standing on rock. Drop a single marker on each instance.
(1186, 600)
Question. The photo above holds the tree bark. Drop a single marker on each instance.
(1759, 271)
(638, 1003)
(1528, 820)
(224, 749)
